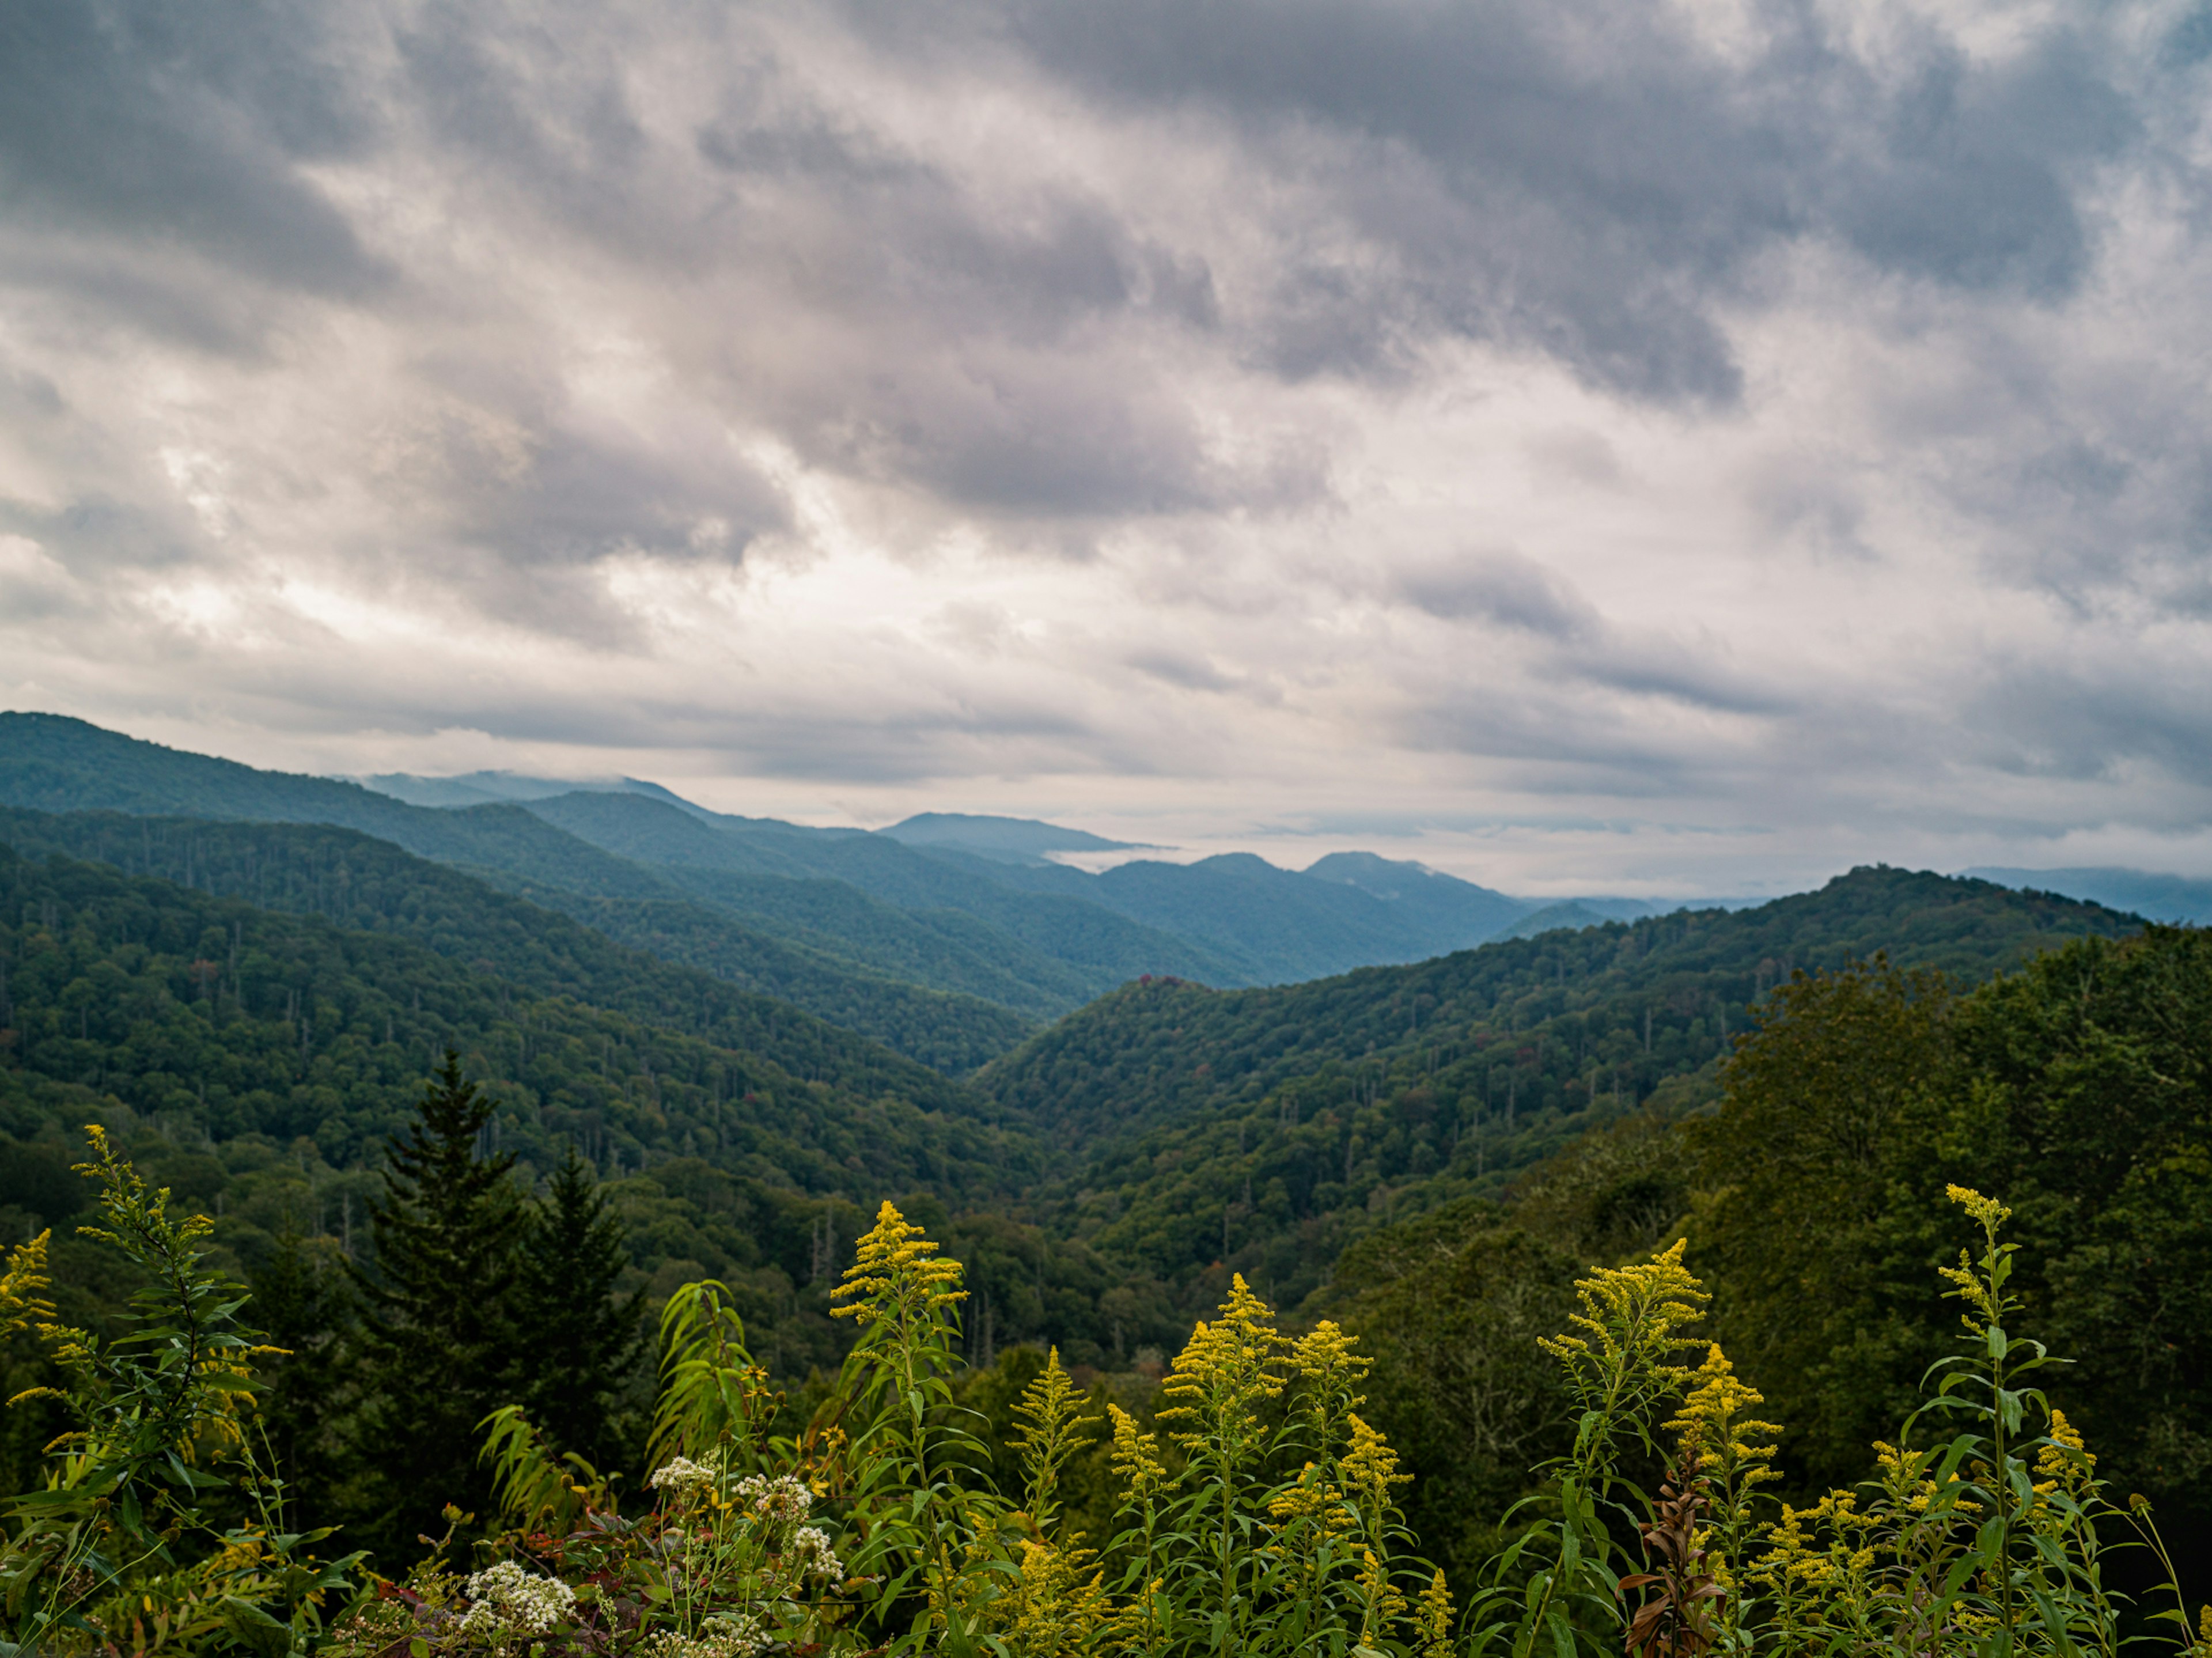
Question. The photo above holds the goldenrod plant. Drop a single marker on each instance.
(1729, 1453)
(1557, 1587)
(160, 1527)
(1985, 1530)
(913, 1468)
(1280, 1532)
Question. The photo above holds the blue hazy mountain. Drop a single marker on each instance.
(2135, 891)
(484, 788)
(1022, 839)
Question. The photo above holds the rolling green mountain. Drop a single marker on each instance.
(908, 916)
(252, 1021)
(1082, 945)
(966, 905)
(53, 764)
(1457, 911)
(355, 880)
(257, 1061)
(1121, 1165)
(1262, 1131)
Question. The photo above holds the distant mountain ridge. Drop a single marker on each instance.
(622, 946)
(964, 904)
(1024, 838)
(2155, 897)
(863, 928)
(484, 788)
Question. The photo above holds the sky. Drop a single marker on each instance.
(1579, 444)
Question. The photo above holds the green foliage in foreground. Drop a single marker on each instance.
(161, 1524)
(1261, 1516)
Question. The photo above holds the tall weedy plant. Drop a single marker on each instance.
(159, 1528)
(915, 1466)
(1280, 1532)
(1558, 1585)
(1988, 1539)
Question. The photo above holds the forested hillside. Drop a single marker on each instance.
(1263, 1130)
(1814, 1201)
(279, 1052)
(355, 880)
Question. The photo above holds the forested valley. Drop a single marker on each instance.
(472, 1156)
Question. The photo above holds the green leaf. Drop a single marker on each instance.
(254, 1629)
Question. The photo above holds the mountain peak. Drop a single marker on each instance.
(996, 837)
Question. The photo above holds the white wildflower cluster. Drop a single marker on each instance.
(507, 1604)
(733, 1634)
(781, 1501)
(681, 1478)
(725, 1635)
(813, 1557)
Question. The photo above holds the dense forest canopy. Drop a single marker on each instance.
(1263, 1130)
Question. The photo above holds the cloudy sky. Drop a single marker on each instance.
(1577, 443)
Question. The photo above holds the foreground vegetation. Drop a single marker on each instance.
(1262, 1517)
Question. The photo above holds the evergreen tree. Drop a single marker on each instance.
(437, 1352)
(302, 1300)
(582, 1340)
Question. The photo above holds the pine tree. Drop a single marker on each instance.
(302, 1300)
(437, 1349)
(582, 1341)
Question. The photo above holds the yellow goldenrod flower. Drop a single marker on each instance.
(1370, 1468)
(1987, 1212)
(1223, 1374)
(892, 1274)
(1435, 1618)
(1624, 1364)
(1385, 1606)
(1055, 1611)
(1053, 1429)
(1135, 1456)
(22, 1301)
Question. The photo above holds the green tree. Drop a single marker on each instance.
(583, 1341)
(2080, 1087)
(437, 1348)
(302, 1299)
(1818, 1228)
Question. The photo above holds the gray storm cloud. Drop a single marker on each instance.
(1765, 419)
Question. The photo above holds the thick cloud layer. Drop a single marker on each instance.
(1678, 448)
